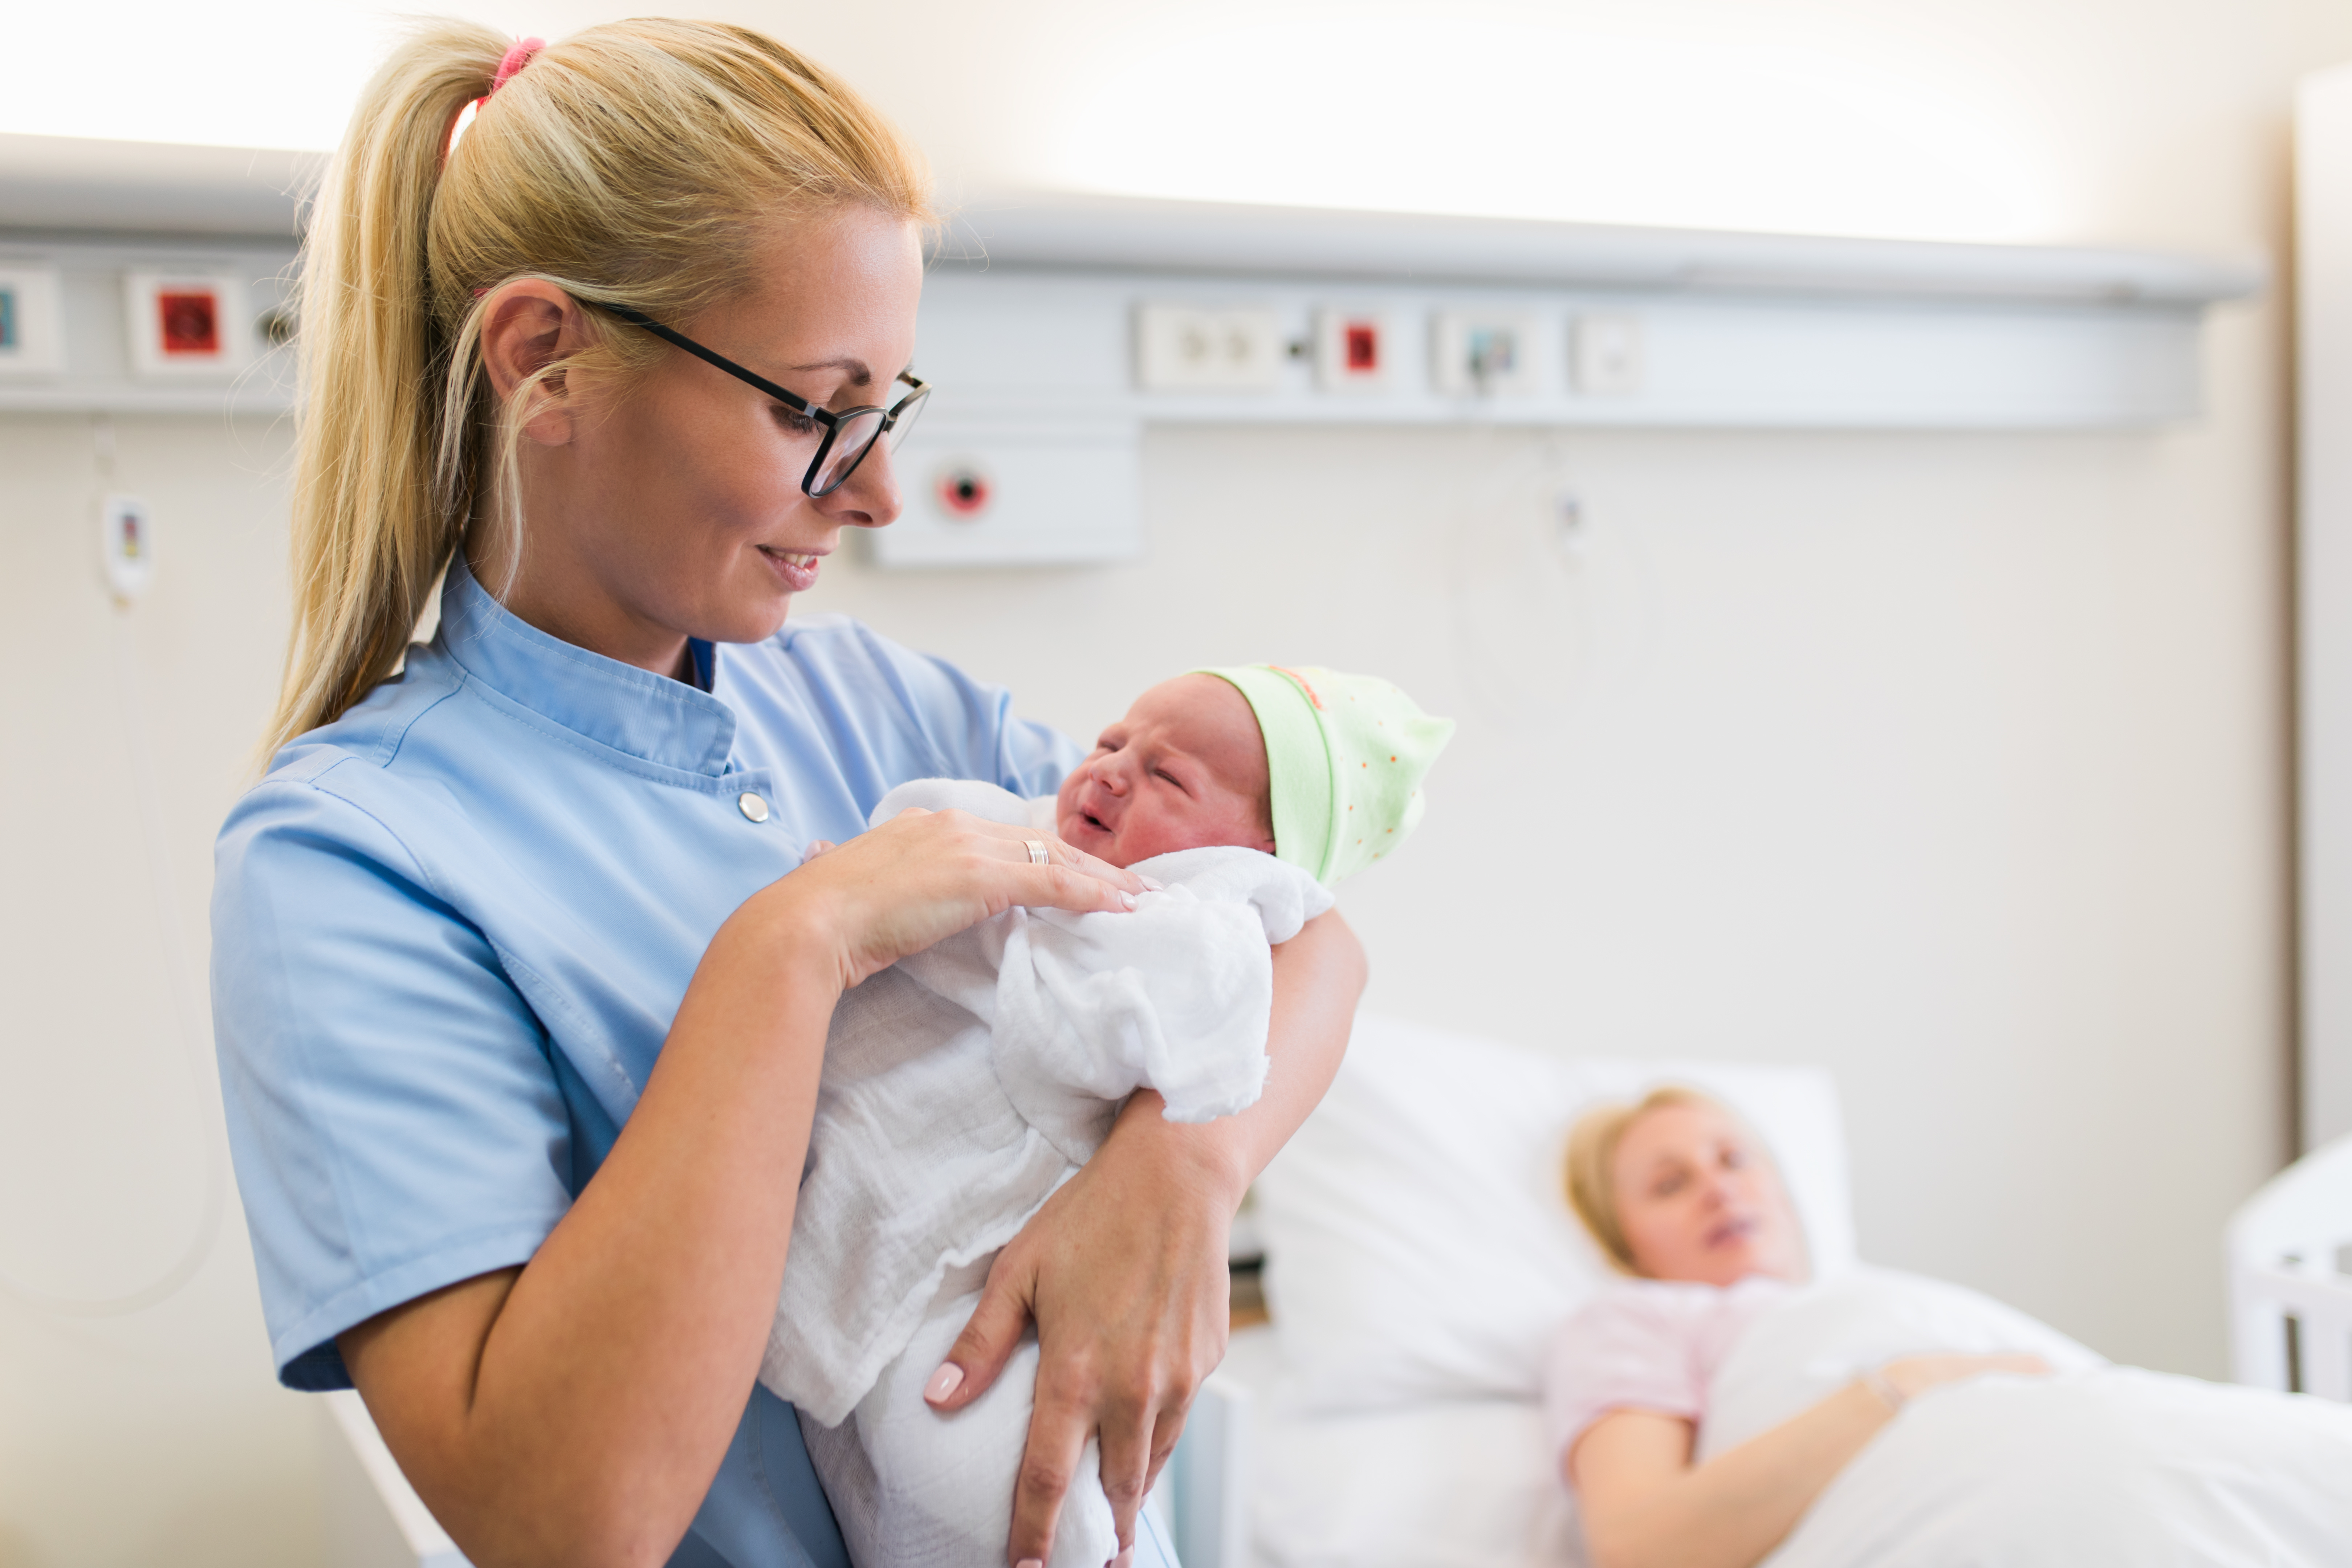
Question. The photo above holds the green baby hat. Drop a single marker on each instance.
(1345, 755)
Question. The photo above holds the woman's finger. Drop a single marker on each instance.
(1058, 852)
(1167, 1428)
(1058, 1429)
(987, 1342)
(1067, 888)
(1125, 1433)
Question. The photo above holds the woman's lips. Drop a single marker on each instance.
(1732, 1230)
(797, 567)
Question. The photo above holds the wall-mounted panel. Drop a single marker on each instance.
(176, 325)
(1035, 344)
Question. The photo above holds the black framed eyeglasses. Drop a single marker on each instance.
(848, 435)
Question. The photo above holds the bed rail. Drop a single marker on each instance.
(2290, 1249)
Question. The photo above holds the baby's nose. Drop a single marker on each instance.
(1106, 773)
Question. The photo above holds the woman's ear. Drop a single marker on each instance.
(529, 325)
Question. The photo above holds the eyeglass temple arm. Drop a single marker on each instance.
(790, 400)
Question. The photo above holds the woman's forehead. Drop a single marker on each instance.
(837, 290)
(1667, 1130)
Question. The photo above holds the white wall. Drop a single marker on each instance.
(1955, 763)
(160, 1436)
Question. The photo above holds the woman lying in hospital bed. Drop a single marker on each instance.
(1714, 1406)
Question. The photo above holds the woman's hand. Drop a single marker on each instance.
(925, 875)
(1124, 1271)
(1913, 1375)
(1124, 1267)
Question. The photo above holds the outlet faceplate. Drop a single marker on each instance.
(1481, 353)
(1355, 351)
(1606, 351)
(32, 335)
(1184, 348)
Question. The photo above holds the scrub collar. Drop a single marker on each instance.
(635, 711)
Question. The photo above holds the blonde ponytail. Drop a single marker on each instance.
(635, 162)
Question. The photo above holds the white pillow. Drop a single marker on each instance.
(1418, 1242)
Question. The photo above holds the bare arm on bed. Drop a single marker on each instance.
(1645, 1503)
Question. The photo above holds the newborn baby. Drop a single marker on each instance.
(964, 1084)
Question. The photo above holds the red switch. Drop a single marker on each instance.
(190, 320)
(1363, 347)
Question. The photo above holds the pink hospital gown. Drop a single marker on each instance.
(1645, 1345)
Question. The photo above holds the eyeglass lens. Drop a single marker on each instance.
(855, 436)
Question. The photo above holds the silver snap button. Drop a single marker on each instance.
(753, 806)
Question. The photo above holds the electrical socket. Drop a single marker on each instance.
(1184, 348)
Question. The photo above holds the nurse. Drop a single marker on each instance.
(521, 980)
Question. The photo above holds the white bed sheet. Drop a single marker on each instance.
(1449, 1484)
(2101, 1466)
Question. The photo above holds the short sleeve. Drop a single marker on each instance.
(394, 1114)
(1628, 1349)
(971, 726)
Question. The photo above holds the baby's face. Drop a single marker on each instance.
(1185, 768)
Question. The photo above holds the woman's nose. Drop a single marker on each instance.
(870, 497)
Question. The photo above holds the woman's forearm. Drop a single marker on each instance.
(574, 1411)
(1318, 976)
(1645, 1507)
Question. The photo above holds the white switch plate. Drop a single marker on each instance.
(1485, 353)
(1607, 353)
(1185, 348)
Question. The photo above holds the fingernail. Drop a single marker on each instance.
(1127, 899)
(1154, 883)
(1030, 1562)
(1124, 1560)
(944, 1382)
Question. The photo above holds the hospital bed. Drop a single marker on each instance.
(1418, 1251)
(1418, 1254)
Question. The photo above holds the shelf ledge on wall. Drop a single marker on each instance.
(1124, 234)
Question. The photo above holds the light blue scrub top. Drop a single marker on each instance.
(451, 928)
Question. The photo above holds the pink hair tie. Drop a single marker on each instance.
(515, 59)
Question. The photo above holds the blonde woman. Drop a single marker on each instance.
(522, 984)
(1685, 1200)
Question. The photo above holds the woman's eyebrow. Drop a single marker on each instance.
(858, 372)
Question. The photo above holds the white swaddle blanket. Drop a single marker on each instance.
(962, 1087)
